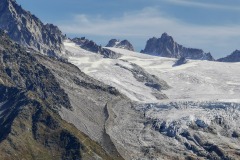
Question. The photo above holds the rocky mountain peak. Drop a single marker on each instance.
(236, 52)
(27, 30)
(125, 44)
(234, 57)
(166, 37)
(165, 46)
(112, 42)
(87, 44)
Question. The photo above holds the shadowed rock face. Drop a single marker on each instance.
(149, 80)
(234, 57)
(31, 98)
(112, 43)
(24, 71)
(167, 47)
(125, 44)
(26, 29)
(180, 61)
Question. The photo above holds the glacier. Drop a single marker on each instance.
(196, 113)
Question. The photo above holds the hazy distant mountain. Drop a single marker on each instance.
(167, 47)
(234, 57)
(125, 44)
(28, 30)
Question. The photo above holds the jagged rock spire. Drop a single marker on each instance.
(165, 46)
(125, 44)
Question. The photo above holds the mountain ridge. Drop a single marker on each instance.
(124, 44)
(233, 57)
(26, 29)
(91, 46)
(165, 46)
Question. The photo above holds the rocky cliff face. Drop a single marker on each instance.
(125, 44)
(30, 101)
(234, 57)
(93, 47)
(26, 29)
(167, 47)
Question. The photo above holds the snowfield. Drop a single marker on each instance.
(106, 70)
(201, 108)
(196, 80)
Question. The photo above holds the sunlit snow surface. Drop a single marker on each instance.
(196, 80)
(106, 70)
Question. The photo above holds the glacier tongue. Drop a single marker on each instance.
(199, 114)
(207, 130)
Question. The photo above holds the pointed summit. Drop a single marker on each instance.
(165, 35)
(26, 29)
(165, 46)
(125, 44)
(112, 43)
